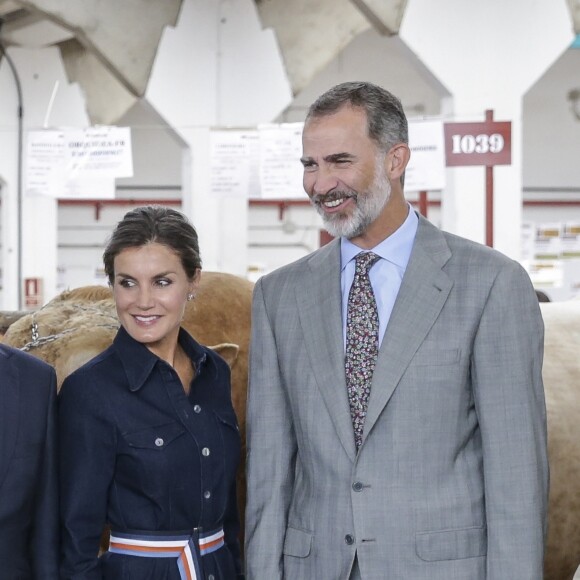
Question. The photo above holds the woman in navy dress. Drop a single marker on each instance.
(149, 440)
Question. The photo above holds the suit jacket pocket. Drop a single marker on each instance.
(297, 543)
(451, 544)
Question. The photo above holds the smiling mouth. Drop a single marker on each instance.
(334, 203)
(333, 200)
(141, 318)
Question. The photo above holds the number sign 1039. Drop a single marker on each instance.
(478, 143)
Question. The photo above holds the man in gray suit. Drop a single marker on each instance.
(414, 449)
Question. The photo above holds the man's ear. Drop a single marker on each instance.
(397, 160)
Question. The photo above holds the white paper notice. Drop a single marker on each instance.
(78, 163)
(44, 162)
(426, 169)
(235, 160)
(99, 152)
(280, 167)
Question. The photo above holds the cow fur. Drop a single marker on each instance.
(561, 373)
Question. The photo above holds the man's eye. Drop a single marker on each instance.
(309, 165)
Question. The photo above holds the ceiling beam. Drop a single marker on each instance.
(310, 34)
(384, 15)
(574, 6)
(122, 35)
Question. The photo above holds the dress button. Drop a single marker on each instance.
(159, 442)
(349, 539)
(205, 451)
(357, 486)
(197, 408)
(211, 577)
(207, 494)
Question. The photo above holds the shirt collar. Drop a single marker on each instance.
(396, 248)
(138, 361)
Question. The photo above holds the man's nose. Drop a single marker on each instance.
(323, 181)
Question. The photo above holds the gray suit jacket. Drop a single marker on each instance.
(451, 480)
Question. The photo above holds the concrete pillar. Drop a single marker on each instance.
(38, 70)
(487, 54)
(216, 68)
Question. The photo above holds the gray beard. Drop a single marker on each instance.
(368, 207)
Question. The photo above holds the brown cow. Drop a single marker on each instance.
(78, 324)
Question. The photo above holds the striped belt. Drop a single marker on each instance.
(187, 549)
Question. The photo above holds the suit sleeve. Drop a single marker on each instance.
(506, 371)
(271, 445)
(44, 541)
(87, 460)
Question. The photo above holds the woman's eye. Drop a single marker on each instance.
(126, 283)
(163, 282)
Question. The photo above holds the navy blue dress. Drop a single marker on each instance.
(139, 454)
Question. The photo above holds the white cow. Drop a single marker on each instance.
(562, 386)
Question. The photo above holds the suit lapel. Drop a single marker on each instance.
(319, 299)
(424, 291)
(9, 400)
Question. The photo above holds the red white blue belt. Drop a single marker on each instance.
(187, 549)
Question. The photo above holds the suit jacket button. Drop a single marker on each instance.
(357, 486)
(349, 539)
(159, 442)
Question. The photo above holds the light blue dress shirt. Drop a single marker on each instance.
(386, 275)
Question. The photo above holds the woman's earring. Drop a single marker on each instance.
(190, 297)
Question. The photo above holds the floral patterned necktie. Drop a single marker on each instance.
(362, 342)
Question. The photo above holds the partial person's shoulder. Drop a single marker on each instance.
(24, 359)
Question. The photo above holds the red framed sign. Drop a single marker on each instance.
(488, 143)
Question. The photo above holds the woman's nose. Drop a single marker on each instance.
(145, 299)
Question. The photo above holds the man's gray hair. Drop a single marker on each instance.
(387, 123)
